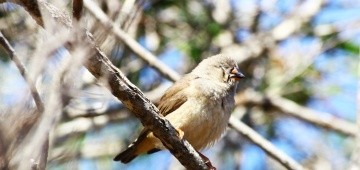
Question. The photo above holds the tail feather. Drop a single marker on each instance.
(143, 144)
(127, 155)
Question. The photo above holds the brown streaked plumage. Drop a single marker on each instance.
(199, 105)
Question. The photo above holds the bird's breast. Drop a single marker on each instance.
(203, 120)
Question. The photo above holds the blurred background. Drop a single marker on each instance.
(302, 52)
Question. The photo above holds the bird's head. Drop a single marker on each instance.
(220, 68)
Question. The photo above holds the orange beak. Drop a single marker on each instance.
(236, 74)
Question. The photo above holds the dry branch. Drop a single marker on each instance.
(293, 23)
(250, 97)
(130, 42)
(100, 66)
(34, 92)
(32, 7)
(163, 69)
(146, 55)
(132, 97)
(134, 100)
(264, 144)
(39, 160)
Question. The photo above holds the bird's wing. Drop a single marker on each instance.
(175, 96)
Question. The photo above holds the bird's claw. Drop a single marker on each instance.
(180, 133)
(209, 165)
(206, 161)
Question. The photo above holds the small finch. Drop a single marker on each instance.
(198, 106)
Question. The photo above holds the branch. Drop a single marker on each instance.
(4, 161)
(130, 42)
(162, 68)
(57, 98)
(39, 160)
(82, 125)
(267, 146)
(111, 107)
(293, 23)
(133, 99)
(88, 111)
(32, 7)
(257, 44)
(139, 50)
(10, 50)
(100, 66)
(85, 118)
(293, 109)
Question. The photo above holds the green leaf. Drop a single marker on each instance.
(350, 47)
(214, 29)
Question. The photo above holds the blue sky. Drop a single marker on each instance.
(337, 94)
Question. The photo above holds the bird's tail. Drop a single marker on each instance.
(143, 144)
(127, 155)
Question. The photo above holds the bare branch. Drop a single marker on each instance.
(100, 66)
(39, 160)
(32, 7)
(60, 16)
(143, 109)
(133, 44)
(130, 42)
(4, 161)
(303, 14)
(10, 50)
(267, 146)
(293, 109)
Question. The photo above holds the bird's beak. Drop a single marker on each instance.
(236, 74)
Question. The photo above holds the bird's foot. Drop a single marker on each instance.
(180, 133)
(209, 165)
(207, 161)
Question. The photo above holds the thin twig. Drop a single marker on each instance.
(39, 139)
(100, 66)
(130, 42)
(10, 50)
(313, 116)
(293, 109)
(264, 144)
(4, 160)
(287, 159)
(293, 23)
(39, 160)
(136, 48)
(133, 98)
(32, 7)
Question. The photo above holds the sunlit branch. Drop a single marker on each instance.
(250, 97)
(264, 144)
(34, 92)
(100, 66)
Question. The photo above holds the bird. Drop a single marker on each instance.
(198, 105)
